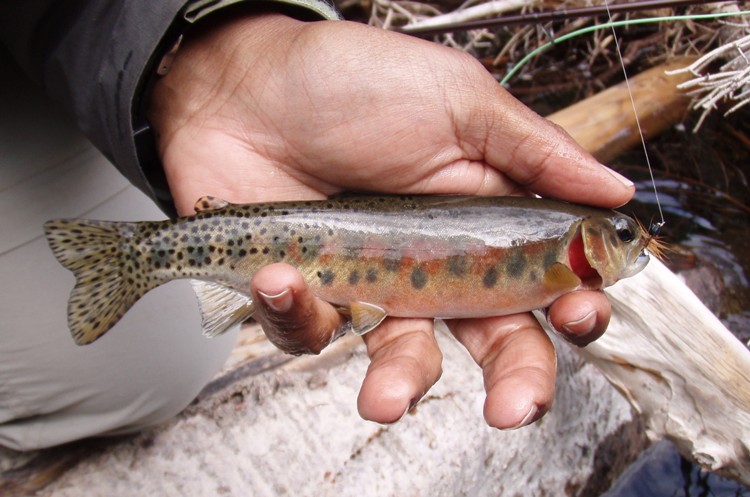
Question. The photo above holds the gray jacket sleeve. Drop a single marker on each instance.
(98, 58)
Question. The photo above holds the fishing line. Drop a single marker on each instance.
(654, 229)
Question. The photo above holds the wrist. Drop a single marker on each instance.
(204, 88)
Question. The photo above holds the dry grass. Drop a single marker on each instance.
(585, 65)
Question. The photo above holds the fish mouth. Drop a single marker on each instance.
(579, 262)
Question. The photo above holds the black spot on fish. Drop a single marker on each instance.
(391, 264)
(242, 253)
(418, 278)
(490, 277)
(550, 258)
(266, 250)
(371, 275)
(326, 276)
(457, 265)
(517, 264)
(253, 250)
(354, 277)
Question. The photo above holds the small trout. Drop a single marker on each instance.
(408, 256)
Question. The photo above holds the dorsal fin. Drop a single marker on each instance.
(209, 203)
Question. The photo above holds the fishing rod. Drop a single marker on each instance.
(551, 15)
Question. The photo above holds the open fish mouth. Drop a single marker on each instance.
(579, 261)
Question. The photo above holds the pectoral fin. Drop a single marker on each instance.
(560, 277)
(221, 307)
(366, 317)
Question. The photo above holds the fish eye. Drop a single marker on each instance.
(624, 231)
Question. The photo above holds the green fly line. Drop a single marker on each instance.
(610, 25)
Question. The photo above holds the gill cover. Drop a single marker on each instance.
(614, 246)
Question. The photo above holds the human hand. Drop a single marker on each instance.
(269, 108)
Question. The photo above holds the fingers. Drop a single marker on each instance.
(580, 317)
(519, 365)
(292, 318)
(405, 358)
(405, 363)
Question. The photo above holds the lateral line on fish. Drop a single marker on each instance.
(655, 227)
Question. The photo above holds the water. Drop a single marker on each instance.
(660, 471)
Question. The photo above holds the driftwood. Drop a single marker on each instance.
(680, 368)
(605, 124)
(271, 424)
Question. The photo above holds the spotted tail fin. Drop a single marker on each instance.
(108, 281)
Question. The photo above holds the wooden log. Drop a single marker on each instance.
(605, 124)
(279, 426)
(680, 368)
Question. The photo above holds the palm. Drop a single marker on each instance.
(307, 110)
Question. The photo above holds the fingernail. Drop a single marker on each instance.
(281, 302)
(528, 419)
(619, 177)
(582, 326)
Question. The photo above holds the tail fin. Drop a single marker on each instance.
(108, 280)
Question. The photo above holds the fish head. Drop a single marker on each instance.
(614, 246)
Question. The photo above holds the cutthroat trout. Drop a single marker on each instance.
(408, 256)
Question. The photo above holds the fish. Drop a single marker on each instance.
(372, 256)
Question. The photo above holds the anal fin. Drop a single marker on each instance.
(221, 307)
(366, 317)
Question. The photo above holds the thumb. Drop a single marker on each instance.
(540, 155)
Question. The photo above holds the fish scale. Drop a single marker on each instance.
(408, 256)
